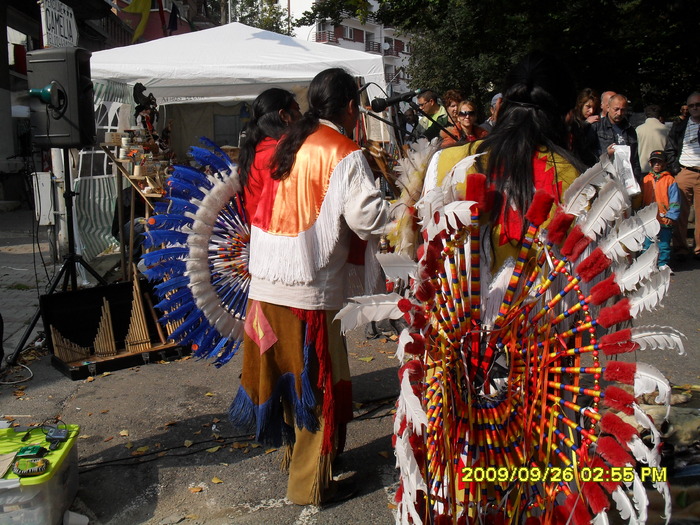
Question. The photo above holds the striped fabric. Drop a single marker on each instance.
(96, 185)
(94, 211)
(111, 91)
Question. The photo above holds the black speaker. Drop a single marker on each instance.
(62, 113)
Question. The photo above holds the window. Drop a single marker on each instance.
(389, 46)
(348, 33)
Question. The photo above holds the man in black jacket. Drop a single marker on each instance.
(615, 129)
(683, 156)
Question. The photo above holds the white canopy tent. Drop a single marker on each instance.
(229, 63)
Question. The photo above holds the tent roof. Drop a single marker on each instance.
(226, 63)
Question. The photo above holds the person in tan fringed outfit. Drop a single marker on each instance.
(305, 250)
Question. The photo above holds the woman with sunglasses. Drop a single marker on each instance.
(465, 128)
(468, 118)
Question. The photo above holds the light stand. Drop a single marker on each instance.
(71, 260)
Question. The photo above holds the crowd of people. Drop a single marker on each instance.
(596, 125)
(315, 210)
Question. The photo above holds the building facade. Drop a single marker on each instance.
(371, 37)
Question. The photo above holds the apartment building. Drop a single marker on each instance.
(371, 37)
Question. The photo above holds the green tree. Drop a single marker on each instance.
(643, 48)
(264, 14)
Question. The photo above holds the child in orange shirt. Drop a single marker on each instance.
(660, 187)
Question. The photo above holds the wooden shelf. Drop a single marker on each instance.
(101, 364)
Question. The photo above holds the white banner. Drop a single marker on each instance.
(58, 24)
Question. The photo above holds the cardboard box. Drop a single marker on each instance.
(42, 499)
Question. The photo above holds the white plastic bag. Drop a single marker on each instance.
(623, 167)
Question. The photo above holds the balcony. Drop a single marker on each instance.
(373, 47)
(325, 37)
(391, 52)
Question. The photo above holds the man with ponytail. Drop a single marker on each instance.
(295, 385)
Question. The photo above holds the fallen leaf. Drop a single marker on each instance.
(124, 433)
(215, 420)
(83, 436)
(188, 443)
(190, 516)
(383, 453)
(216, 480)
(209, 394)
(394, 337)
(170, 423)
(106, 374)
(198, 433)
(110, 438)
(194, 490)
(104, 411)
(366, 359)
(214, 449)
(129, 445)
(255, 445)
(270, 450)
(90, 379)
(239, 445)
(161, 454)
(391, 506)
(142, 450)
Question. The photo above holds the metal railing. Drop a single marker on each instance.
(373, 47)
(325, 37)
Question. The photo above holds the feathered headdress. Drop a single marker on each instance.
(500, 415)
(201, 237)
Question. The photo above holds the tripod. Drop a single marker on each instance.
(71, 260)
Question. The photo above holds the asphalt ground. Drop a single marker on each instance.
(156, 447)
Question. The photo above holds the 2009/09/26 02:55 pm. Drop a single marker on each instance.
(559, 474)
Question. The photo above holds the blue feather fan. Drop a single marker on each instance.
(174, 264)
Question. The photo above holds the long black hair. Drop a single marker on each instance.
(265, 122)
(329, 94)
(539, 93)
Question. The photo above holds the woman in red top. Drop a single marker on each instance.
(272, 112)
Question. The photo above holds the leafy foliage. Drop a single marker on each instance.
(264, 14)
(643, 48)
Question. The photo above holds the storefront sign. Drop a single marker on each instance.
(58, 22)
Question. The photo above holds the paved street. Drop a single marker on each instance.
(156, 446)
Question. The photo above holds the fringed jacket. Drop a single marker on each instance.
(302, 233)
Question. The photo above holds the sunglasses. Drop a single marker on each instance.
(466, 113)
(693, 106)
